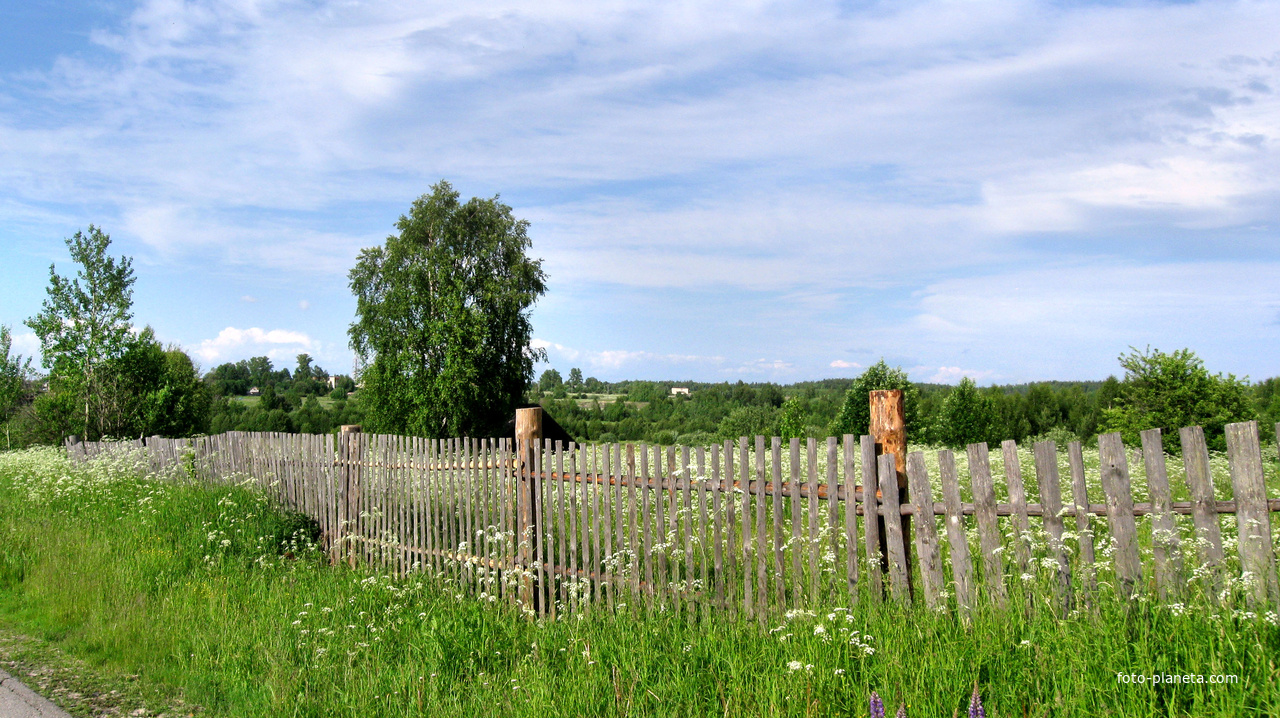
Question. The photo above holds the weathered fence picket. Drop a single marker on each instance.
(926, 529)
(1046, 462)
(1017, 497)
(886, 469)
(1166, 548)
(1116, 485)
(961, 565)
(1253, 519)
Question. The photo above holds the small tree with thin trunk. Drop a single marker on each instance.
(14, 371)
(84, 325)
(967, 417)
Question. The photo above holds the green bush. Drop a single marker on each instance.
(1171, 391)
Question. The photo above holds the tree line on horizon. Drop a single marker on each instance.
(442, 328)
(1165, 390)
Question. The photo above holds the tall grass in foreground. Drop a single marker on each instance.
(214, 591)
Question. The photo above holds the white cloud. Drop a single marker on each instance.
(231, 340)
(1072, 320)
(772, 367)
(27, 344)
(930, 127)
(904, 160)
(617, 359)
(1190, 191)
(842, 364)
(304, 305)
(249, 299)
(951, 374)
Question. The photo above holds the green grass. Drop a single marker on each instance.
(251, 401)
(214, 594)
(605, 399)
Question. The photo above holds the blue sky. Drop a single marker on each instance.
(780, 191)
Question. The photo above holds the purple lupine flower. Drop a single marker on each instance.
(877, 706)
(902, 711)
(975, 705)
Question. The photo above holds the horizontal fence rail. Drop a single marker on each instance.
(760, 526)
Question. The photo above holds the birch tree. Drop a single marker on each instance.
(442, 318)
(84, 325)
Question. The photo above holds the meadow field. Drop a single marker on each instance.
(215, 594)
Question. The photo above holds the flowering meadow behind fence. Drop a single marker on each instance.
(218, 591)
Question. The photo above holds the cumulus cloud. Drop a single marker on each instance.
(27, 344)
(842, 364)
(232, 341)
(950, 374)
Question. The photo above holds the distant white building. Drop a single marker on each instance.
(333, 382)
(255, 391)
(679, 390)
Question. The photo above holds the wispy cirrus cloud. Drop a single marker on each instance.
(808, 171)
(620, 359)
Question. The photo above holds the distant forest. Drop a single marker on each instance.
(648, 411)
(298, 401)
(593, 410)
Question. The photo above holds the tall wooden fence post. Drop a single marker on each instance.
(528, 438)
(889, 430)
(349, 454)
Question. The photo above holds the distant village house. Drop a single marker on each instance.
(679, 390)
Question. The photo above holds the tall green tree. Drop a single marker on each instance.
(967, 416)
(791, 419)
(1170, 391)
(442, 318)
(84, 326)
(14, 371)
(229, 379)
(304, 367)
(855, 413)
(1266, 397)
(261, 372)
(749, 421)
(156, 392)
(550, 381)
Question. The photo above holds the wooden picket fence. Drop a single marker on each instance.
(758, 527)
